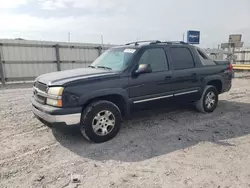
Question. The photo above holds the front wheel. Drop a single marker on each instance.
(209, 100)
(101, 121)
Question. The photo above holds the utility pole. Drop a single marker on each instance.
(183, 37)
(102, 40)
(69, 35)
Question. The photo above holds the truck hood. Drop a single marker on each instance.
(63, 77)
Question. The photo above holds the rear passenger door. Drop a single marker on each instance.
(185, 79)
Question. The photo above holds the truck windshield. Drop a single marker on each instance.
(114, 59)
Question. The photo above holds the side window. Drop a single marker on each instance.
(156, 58)
(182, 58)
(202, 55)
(205, 60)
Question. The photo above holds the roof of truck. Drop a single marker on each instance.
(139, 44)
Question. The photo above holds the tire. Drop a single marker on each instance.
(94, 119)
(202, 104)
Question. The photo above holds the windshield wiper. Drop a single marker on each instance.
(104, 67)
(92, 66)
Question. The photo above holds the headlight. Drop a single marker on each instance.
(55, 96)
(57, 91)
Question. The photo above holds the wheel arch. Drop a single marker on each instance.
(117, 96)
(215, 81)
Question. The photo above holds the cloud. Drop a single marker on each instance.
(53, 29)
(7, 4)
(51, 4)
(124, 21)
(86, 4)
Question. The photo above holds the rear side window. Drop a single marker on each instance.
(156, 57)
(201, 54)
(205, 60)
(182, 58)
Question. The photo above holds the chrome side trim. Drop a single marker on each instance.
(184, 93)
(151, 99)
(166, 96)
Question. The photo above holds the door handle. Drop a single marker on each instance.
(194, 74)
(168, 77)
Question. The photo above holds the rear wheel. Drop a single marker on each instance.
(209, 100)
(101, 121)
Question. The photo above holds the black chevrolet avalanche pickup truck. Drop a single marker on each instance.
(124, 77)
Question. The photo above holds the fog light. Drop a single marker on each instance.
(54, 102)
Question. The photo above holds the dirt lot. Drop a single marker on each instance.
(172, 147)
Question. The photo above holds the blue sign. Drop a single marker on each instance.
(193, 37)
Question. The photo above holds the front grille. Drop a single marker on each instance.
(38, 86)
(41, 86)
(40, 99)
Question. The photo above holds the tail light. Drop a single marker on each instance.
(231, 67)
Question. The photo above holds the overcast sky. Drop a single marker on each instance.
(123, 21)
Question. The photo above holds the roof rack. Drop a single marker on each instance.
(174, 42)
(156, 42)
(150, 41)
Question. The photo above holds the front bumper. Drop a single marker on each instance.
(70, 116)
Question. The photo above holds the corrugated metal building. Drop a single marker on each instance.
(25, 59)
(242, 56)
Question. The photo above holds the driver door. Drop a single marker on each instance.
(150, 86)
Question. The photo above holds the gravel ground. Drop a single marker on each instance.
(172, 147)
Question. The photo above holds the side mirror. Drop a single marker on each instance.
(143, 68)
